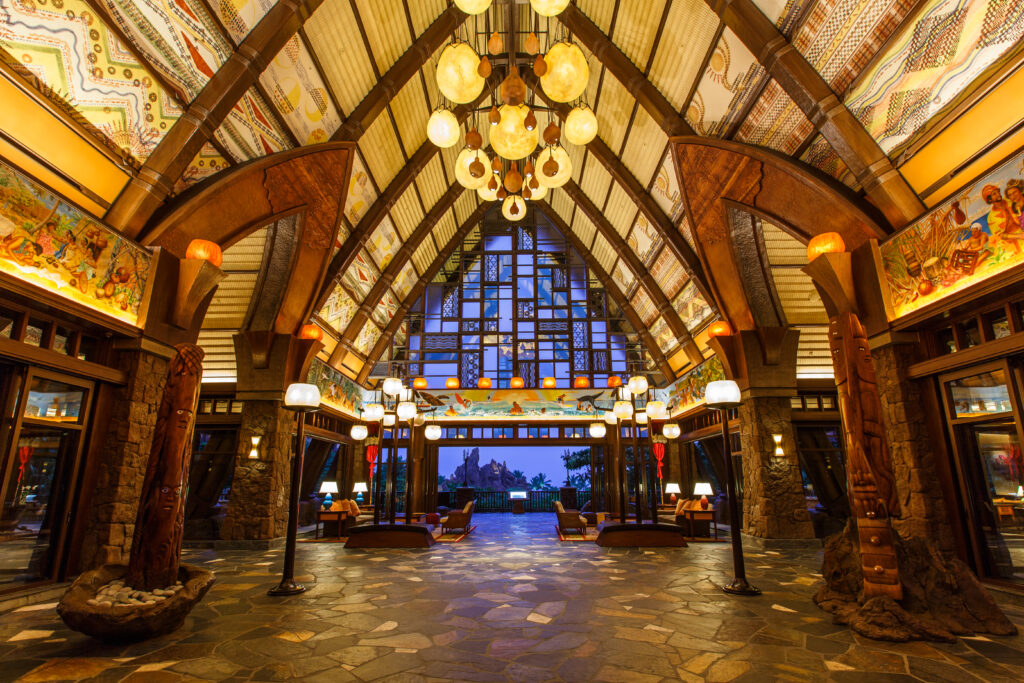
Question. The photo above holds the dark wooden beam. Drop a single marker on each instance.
(416, 292)
(631, 77)
(146, 192)
(640, 271)
(392, 82)
(884, 185)
(613, 289)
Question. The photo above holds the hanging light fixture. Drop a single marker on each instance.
(469, 162)
(389, 420)
(580, 125)
(538, 193)
(432, 432)
(623, 410)
(548, 8)
(637, 384)
(419, 383)
(406, 410)
(513, 208)
(641, 417)
(457, 73)
(517, 383)
(610, 418)
(511, 139)
(373, 412)
(473, 6)
(451, 383)
(670, 430)
(567, 74)
(391, 386)
(359, 432)
(598, 430)
(483, 383)
(656, 409)
(581, 383)
(556, 174)
(486, 194)
(443, 128)
(548, 383)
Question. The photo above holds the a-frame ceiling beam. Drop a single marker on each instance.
(392, 82)
(613, 290)
(416, 292)
(625, 71)
(380, 208)
(395, 266)
(640, 271)
(883, 184)
(146, 192)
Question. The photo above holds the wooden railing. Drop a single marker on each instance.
(498, 501)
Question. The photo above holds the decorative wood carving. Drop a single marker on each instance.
(156, 543)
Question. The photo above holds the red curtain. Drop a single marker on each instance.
(371, 456)
(659, 455)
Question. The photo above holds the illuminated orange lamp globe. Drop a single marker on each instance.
(719, 328)
(311, 332)
(457, 76)
(451, 383)
(581, 383)
(825, 243)
(614, 381)
(419, 383)
(483, 383)
(205, 250)
(548, 383)
(517, 383)
(568, 72)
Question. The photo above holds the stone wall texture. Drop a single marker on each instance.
(258, 505)
(122, 461)
(924, 513)
(774, 505)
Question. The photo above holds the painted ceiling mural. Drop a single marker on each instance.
(687, 392)
(339, 310)
(77, 60)
(207, 162)
(240, 16)
(692, 307)
(512, 404)
(668, 273)
(950, 44)
(299, 94)
(731, 78)
(249, 131)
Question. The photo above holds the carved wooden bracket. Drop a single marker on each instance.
(197, 281)
(833, 278)
(762, 359)
(268, 362)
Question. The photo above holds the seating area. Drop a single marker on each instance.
(459, 519)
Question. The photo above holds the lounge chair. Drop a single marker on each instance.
(458, 520)
(569, 520)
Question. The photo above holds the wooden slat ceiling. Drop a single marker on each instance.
(700, 67)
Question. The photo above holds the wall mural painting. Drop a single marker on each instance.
(49, 243)
(687, 392)
(497, 404)
(336, 390)
(974, 236)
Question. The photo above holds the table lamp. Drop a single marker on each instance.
(359, 489)
(703, 489)
(328, 487)
(672, 489)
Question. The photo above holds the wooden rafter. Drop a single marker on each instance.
(642, 273)
(416, 292)
(613, 290)
(812, 94)
(146, 192)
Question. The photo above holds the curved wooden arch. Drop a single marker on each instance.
(718, 176)
(311, 182)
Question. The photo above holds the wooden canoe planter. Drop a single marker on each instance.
(389, 536)
(641, 536)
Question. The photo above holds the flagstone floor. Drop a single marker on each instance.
(509, 603)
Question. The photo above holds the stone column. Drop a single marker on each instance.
(258, 503)
(122, 461)
(911, 447)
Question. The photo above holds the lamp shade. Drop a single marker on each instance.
(568, 72)
(580, 125)
(614, 381)
(548, 383)
(419, 383)
(443, 128)
(623, 410)
(373, 412)
(610, 418)
(548, 8)
(597, 430)
(391, 386)
(581, 383)
(486, 194)
(656, 409)
(457, 75)
(473, 6)
(672, 488)
(510, 139)
(451, 383)
(670, 430)
(359, 432)
(723, 393)
(311, 332)
(517, 383)
(389, 420)
(406, 410)
(538, 194)
(641, 417)
(462, 169)
(302, 397)
(360, 487)
(432, 432)
(484, 383)
(637, 384)
(719, 328)
(825, 243)
(329, 487)
(513, 208)
(205, 250)
(564, 172)
(702, 488)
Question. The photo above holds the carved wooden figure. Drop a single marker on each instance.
(156, 544)
(870, 481)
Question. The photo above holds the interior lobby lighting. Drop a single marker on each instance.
(359, 432)
(548, 383)
(641, 417)
(517, 383)
(389, 420)
(580, 125)
(777, 438)
(329, 488)
(372, 412)
(359, 489)
(473, 6)
(511, 139)
(614, 381)
(597, 430)
(443, 128)
(205, 250)
(483, 383)
(514, 208)
(432, 432)
(255, 440)
(548, 8)
(623, 410)
(723, 393)
(419, 383)
(703, 489)
(562, 167)
(391, 386)
(581, 383)
(825, 243)
(719, 328)
(656, 409)
(568, 72)
(672, 490)
(302, 397)
(464, 172)
(406, 410)
(458, 78)
(637, 384)
(610, 418)
(670, 430)
(311, 332)
(451, 383)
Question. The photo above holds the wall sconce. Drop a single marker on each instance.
(777, 438)
(255, 452)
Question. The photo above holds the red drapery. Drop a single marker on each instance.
(371, 456)
(659, 454)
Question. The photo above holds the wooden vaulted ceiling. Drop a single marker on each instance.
(171, 92)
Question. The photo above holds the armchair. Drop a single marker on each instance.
(569, 520)
(457, 519)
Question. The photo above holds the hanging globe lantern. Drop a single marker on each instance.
(547, 8)
(432, 432)
(457, 76)
(564, 171)
(443, 128)
(568, 72)
(486, 194)
(610, 418)
(463, 173)
(514, 208)
(623, 410)
(597, 430)
(473, 6)
(510, 139)
(637, 384)
(580, 125)
(539, 193)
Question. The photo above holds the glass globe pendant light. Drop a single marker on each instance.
(547, 8)
(580, 125)
(538, 193)
(510, 139)
(473, 6)
(563, 167)
(464, 171)
(457, 76)
(486, 194)
(568, 72)
(443, 128)
(513, 208)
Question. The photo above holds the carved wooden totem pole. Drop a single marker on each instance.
(156, 543)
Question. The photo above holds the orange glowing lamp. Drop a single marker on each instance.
(311, 332)
(719, 328)
(419, 383)
(825, 243)
(548, 383)
(614, 381)
(451, 383)
(205, 250)
(517, 383)
(483, 383)
(581, 383)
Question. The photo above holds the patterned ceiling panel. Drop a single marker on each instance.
(385, 309)
(299, 94)
(405, 280)
(776, 122)
(381, 152)
(644, 240)
(361, 194)
(361, 276)
(334, 37)
(178, 37)
(444, 230)
(249, 131)
(686, 230)
(636, 28)
(424, 255)
(239, 16)
(840, 36)
(949, 44)
(821, 156)
(603, 253)
(387, 30)
(687, 37)
(431, 182)
(383, 243)
(666, 190)
(783, 12)
(644, 306)
(407, 212)
(623, 277)
(668, 272)
(730, 80)
(368, 336)
(583, 228)
(663, 336)
(339, 309)
(781, 248)
(692, 307)
(207, 162)
(74, 59)
(620, 210)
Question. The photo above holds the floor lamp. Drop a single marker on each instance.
(301, 399)
(721, 396)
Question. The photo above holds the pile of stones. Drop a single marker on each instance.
(117, 594)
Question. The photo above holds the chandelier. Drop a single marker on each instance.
(528, 158)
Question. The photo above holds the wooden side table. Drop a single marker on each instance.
(327, 516)
(692, 515)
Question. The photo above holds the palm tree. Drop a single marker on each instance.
(540, 482)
